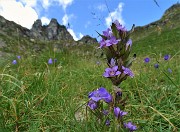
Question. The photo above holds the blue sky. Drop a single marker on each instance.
(85, 17)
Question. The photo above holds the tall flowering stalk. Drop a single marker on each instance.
(116, 44)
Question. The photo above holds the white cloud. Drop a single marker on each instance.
(80, 35)
(45, 20)
(102, 7)
(19, 13)
(73, 34)
(66, 19)
(31, 3)
(64, 3)
(46, 3)
(115, 15)
(75, 37)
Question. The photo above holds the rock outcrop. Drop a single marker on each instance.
(87, 40)
(36, 30)
(12, 29)
(53, 31)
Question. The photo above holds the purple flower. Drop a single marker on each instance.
(127, 71)
(169, 70)
(92, 104)
(50, 61)
(119, 113)
(113, 40)
(19, 57)
(55, 60)
(100, 94)
(112, 62)
(107, 122)
(118, 92)
(111, 72)
(130, 126)
(14, 62)
(146, 60)
(119, 26)
(105, 112)
(166, 57)
(107, 33)
(108, 42)
(156, 65)
(102, 43)
(128, 44)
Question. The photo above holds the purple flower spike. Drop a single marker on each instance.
(92, 104)
(50, 61)
(127, 71)
(111, 72)
(166, 57)
(146, 60)
(156, 65)
(14, 62)
(100, 94)
(119, 113)
(130, 126)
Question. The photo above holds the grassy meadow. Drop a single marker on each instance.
(36, 96)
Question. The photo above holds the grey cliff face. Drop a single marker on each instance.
(53, 31)
(36, 31)
(12, 29)
(37, 24)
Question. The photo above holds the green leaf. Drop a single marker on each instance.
(129, 62)
(104, 37)
(114, 30)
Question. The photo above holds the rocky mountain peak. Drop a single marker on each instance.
(53, 22)
(36, 30)
(52, 31)
(37, 24)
